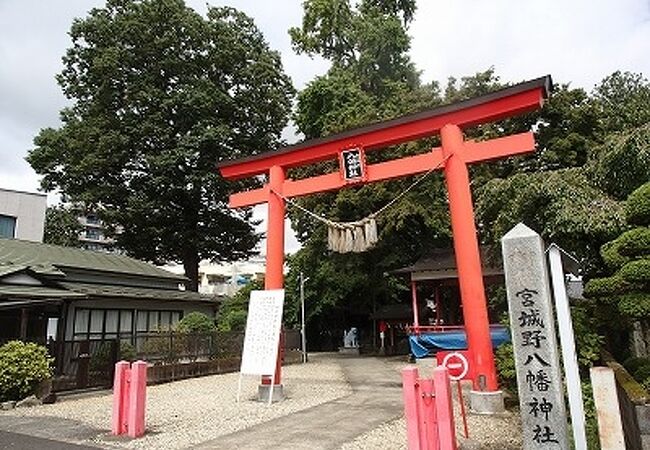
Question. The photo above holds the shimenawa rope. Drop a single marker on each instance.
(361, 235)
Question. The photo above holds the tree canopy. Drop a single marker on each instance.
(159, 95)
(62, 227)
(590, 155)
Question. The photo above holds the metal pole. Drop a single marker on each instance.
(567, 342)
(303, 333)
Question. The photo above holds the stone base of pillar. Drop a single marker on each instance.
(264, 390)
(487, 403)
(350, 351)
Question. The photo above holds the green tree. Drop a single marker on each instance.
(622, 100)
(234, 310)
(371, 79)
(62, 226)
(196, 322)
(622, 163)
(159, 95)
(626, 290)
(562, 205)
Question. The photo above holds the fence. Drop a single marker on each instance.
(170, 355)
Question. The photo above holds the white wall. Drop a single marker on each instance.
(29, 211)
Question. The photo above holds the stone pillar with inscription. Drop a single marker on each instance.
(539, 379)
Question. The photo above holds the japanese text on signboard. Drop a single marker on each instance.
(262, 332)
(353, 164)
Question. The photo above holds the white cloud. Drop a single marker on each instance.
(579, 41)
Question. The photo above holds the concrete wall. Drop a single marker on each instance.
(28, 209)
(635, 410)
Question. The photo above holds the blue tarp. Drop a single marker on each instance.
(427, 342)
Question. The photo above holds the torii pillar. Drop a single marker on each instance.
(453, 157)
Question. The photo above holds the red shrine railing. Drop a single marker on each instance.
(417, 329)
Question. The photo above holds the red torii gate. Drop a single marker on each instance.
(453, 156)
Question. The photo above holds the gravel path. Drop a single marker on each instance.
(491, 432)
(188, 412)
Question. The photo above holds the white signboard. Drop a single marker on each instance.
(262, 332)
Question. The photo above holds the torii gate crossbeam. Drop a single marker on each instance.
(453, 157)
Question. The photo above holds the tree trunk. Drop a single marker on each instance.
(639, 339)
(191, 266)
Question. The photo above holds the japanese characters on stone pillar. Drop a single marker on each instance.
(539, 379)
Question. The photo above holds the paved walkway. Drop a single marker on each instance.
(46, 433)
(376, 399)
(17, 441)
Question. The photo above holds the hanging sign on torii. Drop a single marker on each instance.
(452, 157)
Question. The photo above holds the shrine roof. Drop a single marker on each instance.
(255, 164)
(440, 264)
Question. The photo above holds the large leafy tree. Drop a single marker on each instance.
(371, 78)
(62, 226)
(160, 94)
(592, 152)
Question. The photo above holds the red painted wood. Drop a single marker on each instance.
(444, 409)
(410, 395)
(120, 398)
(468, 261)
(137, 399)
(499, 147)
(414, 300)
(397, 168)
(396, 134)
(430, 440)
(274, 276)
(410, 165)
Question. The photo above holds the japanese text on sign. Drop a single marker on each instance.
(262, 332)
(353, 164)
(532, 333)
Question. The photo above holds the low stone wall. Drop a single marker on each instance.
(635, 410)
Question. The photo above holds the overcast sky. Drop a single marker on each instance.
(577, 41)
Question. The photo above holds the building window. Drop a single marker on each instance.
(108, 324)
(92, 233)
(7, 226)
(92, 219)
(149, 321)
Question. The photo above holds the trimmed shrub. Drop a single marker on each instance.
(506, 371)
(101, 359)
(637, 206)
(22, 367)
(196, 322)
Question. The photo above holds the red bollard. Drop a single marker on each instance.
(410, 392)
(129, 397)
(137, 399)
(428, 419)
(444, 409)
(120, 397)
(429, 410)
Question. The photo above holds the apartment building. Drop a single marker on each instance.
(22, 215)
